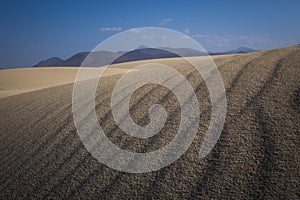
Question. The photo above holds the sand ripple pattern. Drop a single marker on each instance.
(257, 155)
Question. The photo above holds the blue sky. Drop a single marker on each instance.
(36, 30)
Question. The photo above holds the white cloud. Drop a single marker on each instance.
(108, 29)
(186, 31)
(165, 21)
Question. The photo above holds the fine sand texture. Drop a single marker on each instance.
(257, 155)
(16, 81)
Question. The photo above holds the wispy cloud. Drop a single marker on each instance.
(186, 31)
(165, 21)
(108, 29)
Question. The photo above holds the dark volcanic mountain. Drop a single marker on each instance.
(102, 58)
(235, 51)
(241, 50)
(145, 54)
(99, 58)
(54, 61)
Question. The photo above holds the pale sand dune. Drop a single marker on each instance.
(16, 81)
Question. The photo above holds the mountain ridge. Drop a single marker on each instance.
(102, 58)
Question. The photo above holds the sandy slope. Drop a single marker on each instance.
(257, 155)
(16, 81)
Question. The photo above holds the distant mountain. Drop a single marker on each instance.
(241, 50)
(102, 58)
(54, 61)
(99, 58)
(185, 52)
(235, 51)
(145, 54)
(76, 59)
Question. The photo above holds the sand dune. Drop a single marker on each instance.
(16, 81)
(257, 155)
